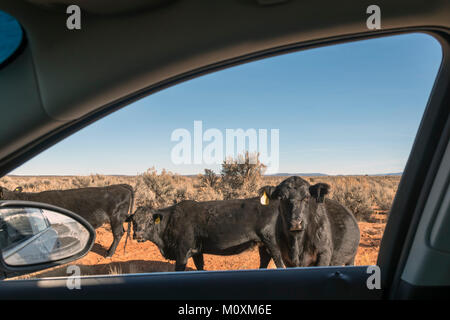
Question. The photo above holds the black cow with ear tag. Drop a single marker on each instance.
(189, 229)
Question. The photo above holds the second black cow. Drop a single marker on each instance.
(189, 229)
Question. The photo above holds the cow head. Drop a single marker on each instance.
(146, 223)
(295, 191)
(299, 192)
(6, 194)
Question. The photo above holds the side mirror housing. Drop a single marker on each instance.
(36, 236)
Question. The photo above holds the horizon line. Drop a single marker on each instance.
(282, 174)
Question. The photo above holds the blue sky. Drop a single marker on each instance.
(346, 109)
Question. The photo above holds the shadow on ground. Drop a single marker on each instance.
(99, 249)
(132, 266)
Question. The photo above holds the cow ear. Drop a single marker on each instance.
(279, 193)
(267, 189)
(265, 193)
(157, 218)
(18, 189)
(318, 191)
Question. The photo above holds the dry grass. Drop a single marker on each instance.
(363, 195)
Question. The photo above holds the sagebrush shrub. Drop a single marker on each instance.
(242, 177)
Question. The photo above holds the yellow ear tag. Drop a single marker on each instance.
(264, 199)
(157, 220)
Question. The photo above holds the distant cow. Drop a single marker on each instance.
(227, 227)
(321, 232)
(98, 205)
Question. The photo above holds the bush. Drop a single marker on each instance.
(81, 182)
(242, 177)
(209, 179)
(354, 195)
(154, 189)
(383, 192)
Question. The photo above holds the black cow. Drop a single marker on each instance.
(321, 232)
(227, 227)
(98, 205)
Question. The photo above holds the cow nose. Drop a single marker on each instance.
(296, 225)
(138, 236)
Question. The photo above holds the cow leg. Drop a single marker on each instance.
(324, 258)
(198, 261)
(117, 231)
(270, 243)
(351, 262)
(179, 266)
(181, 258)
(276, 256)
(295, 251)
(264, 257)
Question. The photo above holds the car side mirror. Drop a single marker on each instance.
(36, 236)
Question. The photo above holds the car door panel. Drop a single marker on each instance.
(296, 283)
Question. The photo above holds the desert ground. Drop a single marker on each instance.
(368, 197)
